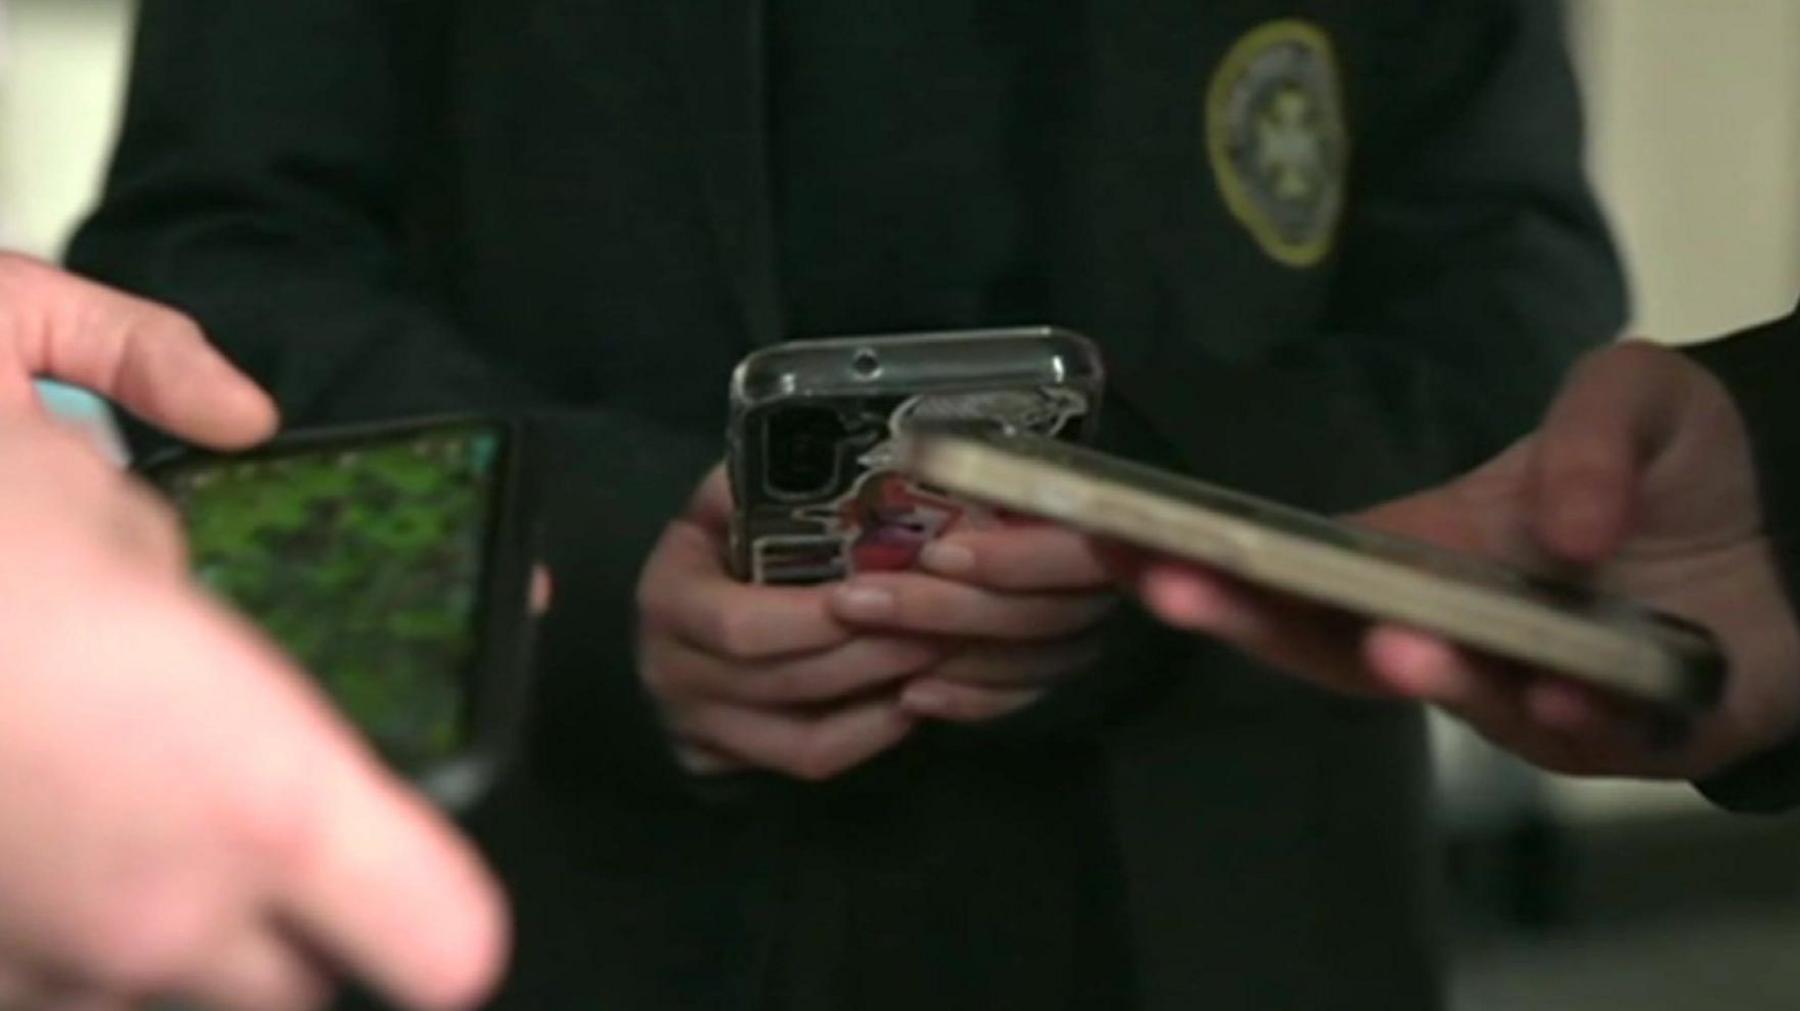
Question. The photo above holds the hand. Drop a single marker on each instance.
(150, 359)
(1015, 606)
(1641, 478)
(762, 676)
(181, 814)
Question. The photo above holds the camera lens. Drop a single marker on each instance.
(866, 364)
(802, 447)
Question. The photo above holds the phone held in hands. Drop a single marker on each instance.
(394, 562)
(813, 435)
(1611, 643)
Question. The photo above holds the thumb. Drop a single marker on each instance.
(1469, 513)
(1435, 516)
(712, 504)
(152, 360)
(380, 885)
(1615, 413)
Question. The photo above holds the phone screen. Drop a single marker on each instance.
(363, 557)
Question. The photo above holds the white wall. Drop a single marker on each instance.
(60, 79)
(1695, 111)
(61, 71)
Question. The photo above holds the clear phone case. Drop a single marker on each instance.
(814, 427)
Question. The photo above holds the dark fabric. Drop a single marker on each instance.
(1761, 369)
(899, 201)
(570, 207)
(900, 204)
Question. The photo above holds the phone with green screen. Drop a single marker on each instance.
(394, 562)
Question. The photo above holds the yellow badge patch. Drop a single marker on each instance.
(1276, 138)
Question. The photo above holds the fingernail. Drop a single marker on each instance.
(1200, 607)
(948, 558)
(864, 603)
(922, 698)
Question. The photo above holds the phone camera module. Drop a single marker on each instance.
(804, 449)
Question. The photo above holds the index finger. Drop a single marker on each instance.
(392, 895)
(358, 868)
(1034, 557)
(1617, 408)
(152, 360)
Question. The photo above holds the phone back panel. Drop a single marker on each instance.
(813, 430)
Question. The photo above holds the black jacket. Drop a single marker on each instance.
(1760, 367)
(386, 206)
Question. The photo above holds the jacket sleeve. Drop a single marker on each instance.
(1758, 367)
(260, 183)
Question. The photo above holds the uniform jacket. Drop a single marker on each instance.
(562, 206)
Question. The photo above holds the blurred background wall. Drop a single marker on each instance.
(61, 76)
(1695, 140)
(60, 79)
(1695, 113)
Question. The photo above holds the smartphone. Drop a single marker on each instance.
(813, 429)
(394, 562)
(1606, 641)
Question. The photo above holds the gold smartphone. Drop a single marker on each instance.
(1606, 641)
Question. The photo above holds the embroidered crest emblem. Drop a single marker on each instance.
(1276, 138)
